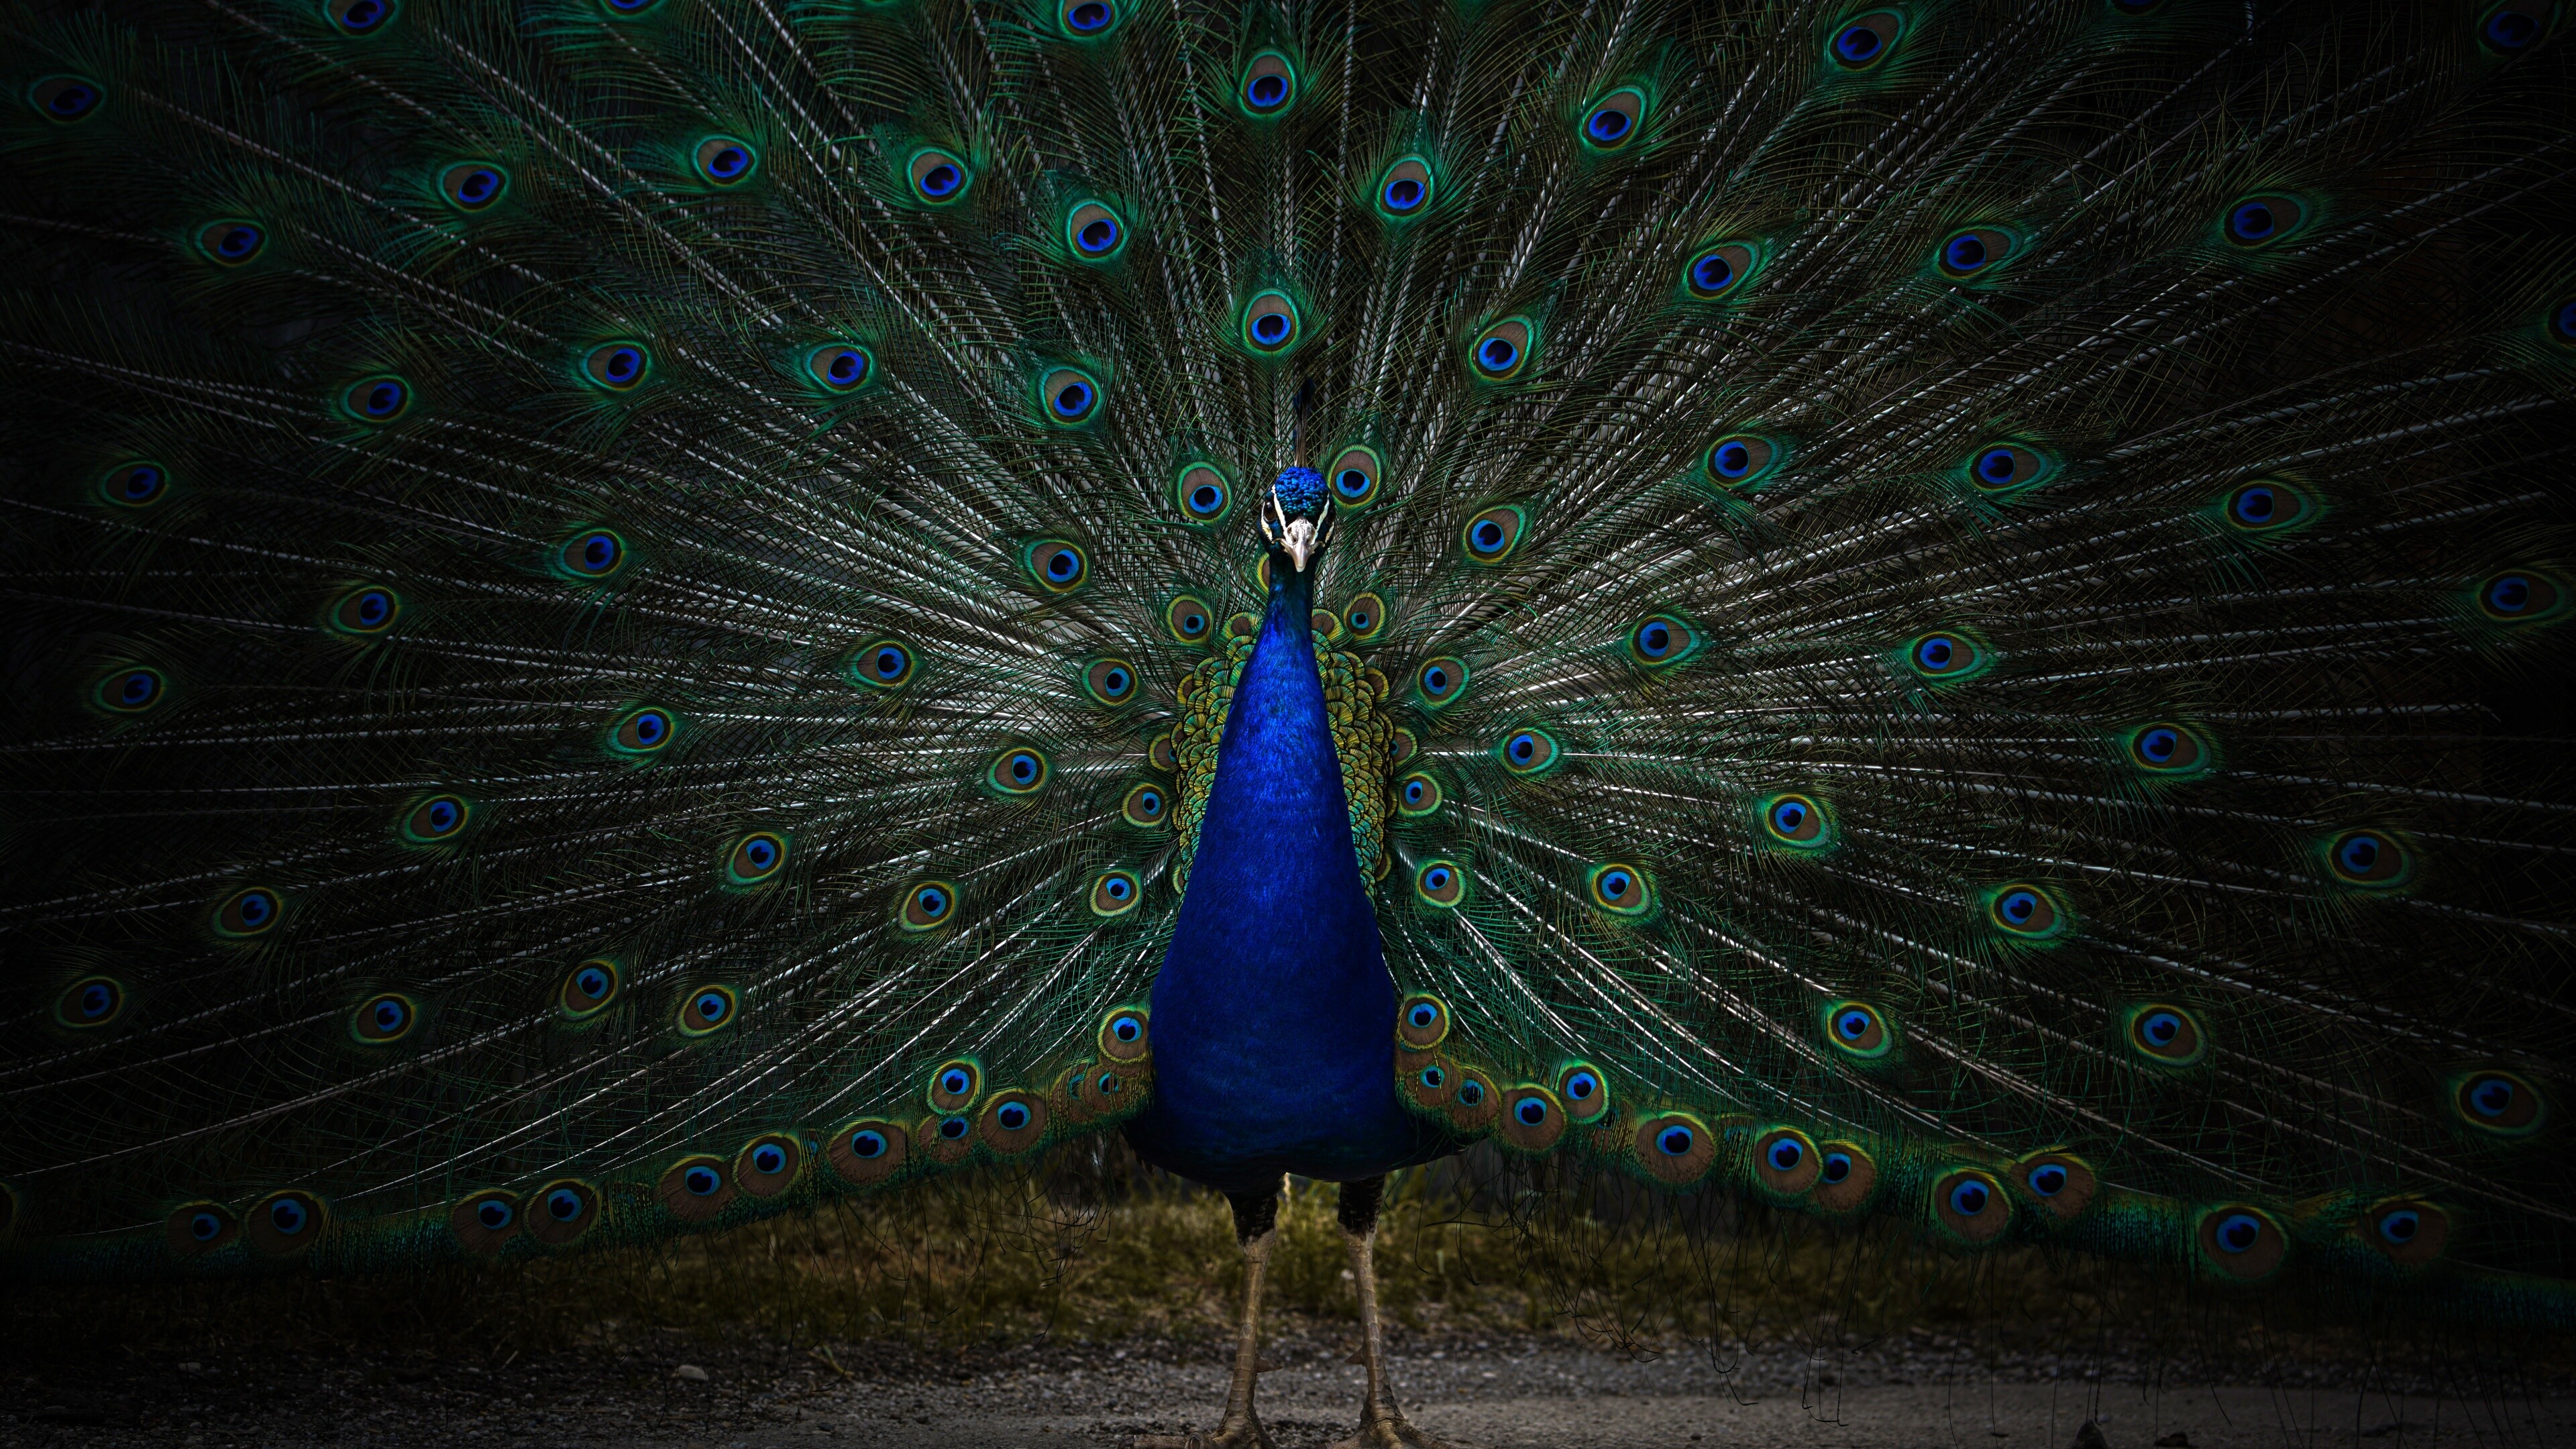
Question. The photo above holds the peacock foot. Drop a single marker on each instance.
(1388, 1429)
(1245, 1433)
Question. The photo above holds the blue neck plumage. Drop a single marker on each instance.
(1274, 1014)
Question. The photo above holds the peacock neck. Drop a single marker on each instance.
(1274, 1013)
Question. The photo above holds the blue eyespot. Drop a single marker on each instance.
(1095, 231)
(1785, 1154)
(2490, 1096)
(1013, 1116)
(1203, 493)
(1580, 1086)
(1269, 83)
(1969, 1198)
(2026, 911)
(1675, 1141)
(1660, 640)
(1432, 1077)
(1424, 1015)
(755, 858)
(231, 243)
(1087, 18)
(1835, 1167)
(722, 160)
(867, 1144)
(377, 399)
(1071, 396)
(1607, 127)
(769, 1158)
(471, 185)
(840, 367)
(616, 365)
(2258, 221)
(64, 97)
(594, 555)
(955, 1081)
(565, 1205)
(247, 912)
(130, 691)
(1944, 656)
(938, 177)
(2401, 1226)
(1405, 189)
(205, 1226)
(1863, 42)
(702, 1180)
(2048, 1179)
(1531, 1111)
(953, 1128)
(1470, 1092)
(1853, 1025)
(2238, 1232)
(136, 485)
(1440, 883)
(357, 17)
(711, 1008)
(1127, 1027)
(495, 1214)
(1711, 273)
(365, 611)
(289, 1216)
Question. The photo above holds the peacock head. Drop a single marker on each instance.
(1299, 516)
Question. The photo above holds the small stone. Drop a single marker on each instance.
(691, 1372)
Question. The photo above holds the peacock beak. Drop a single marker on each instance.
(1301, 542)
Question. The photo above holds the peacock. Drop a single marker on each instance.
(634, 614)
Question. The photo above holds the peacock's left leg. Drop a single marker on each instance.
(1382, 1425)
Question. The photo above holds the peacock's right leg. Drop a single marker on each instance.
(1256, 1227)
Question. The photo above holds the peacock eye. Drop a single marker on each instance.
(359, 17)
(130, 691)
(1794, 820)
(1491, 536)
(2267, 505)
(1526, 752)
(1970, 1198)
(867, 1143)
(1581, 1085)
(2519, 597)
(1144, 805)
(1674, 1141)
(2167, 1034)
(382, 1019)
(1857, 1029)
(840, 367)
(1270, 323)
(436, 818)
(2258, 221)
(2167, 749)
(1440, 883)
(1500, 352)
(2498, 1102)
(137, 484)
(1058, 566)
(1619, 888)
(1835, 1167)
(1019, 772)
(64, 97)
(2007, 467)
(472, 185)
(1111, 681)
(928, 904)
(231, 243)
(205, 1227)
(1087, 19)
(365, 610)
(769, 1157)
(377, 399)
(93, 1001)
(708, 1008)
(1441, 680)
(565, 1205)
(1973, 252)
(2368, 858)
(1863, 41)
(1740, 460)
(1417, 795)
(1096, 232)
(755, 858)
(617, 366)
(1404, 189)
(590, 986)
(595, 554)
(1189, 619)
(1785, 1154)
(1203, 493)
(938, 177)
(494, 1214)
(1355, 474)
(248, 912)
(1717, 271)
(1615, 119)
(1115, 893)
(2026, 911)
(723, 161)
(641, 733)
(2511, 27)
(1269, 84)
(1944, 656)
(288, 1216)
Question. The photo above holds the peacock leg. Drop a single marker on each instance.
(1256, 1227)
(1382, 1425)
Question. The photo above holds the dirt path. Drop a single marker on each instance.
(1536, 1394)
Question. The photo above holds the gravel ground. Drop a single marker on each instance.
(672, 1391)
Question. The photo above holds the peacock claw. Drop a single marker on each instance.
(1388, 1429)
(1246, 1435)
